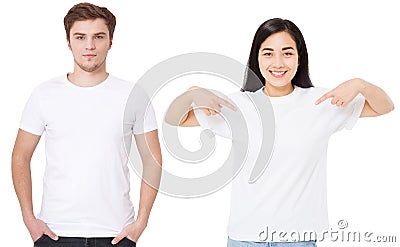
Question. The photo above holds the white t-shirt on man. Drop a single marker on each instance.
(291, 194)
(86, 181)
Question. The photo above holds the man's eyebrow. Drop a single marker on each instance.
(84, 34)
(80, 34)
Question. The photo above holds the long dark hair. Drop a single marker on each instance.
(253, 74)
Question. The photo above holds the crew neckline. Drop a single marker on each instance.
(99, 85)
(284, 98)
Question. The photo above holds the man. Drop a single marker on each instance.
(86, 182)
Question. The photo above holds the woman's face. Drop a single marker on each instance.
(278, 60)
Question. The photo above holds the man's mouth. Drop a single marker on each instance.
(89, 55)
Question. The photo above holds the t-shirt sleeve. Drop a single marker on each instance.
(216, 123)
(145, 118)
(32, 118)
(351, 113)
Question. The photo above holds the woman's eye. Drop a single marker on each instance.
(288, 54)
(267, 54)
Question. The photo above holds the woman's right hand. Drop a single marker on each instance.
(207, 101)
(180, 112)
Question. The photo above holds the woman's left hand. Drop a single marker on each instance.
(344, 93)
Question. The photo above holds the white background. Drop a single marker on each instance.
(345, 39)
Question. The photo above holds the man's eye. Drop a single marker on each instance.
(99, 37)
(79, 37)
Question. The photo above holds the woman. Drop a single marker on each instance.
(287, 204)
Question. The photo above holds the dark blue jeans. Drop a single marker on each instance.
(45, 241)
(236, 243)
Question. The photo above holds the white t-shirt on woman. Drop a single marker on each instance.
(291, 194)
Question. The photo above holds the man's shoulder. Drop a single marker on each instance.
(119, 81)
(51, 83)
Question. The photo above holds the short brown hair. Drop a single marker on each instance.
(88, 11)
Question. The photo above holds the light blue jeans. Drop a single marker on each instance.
(235, 243)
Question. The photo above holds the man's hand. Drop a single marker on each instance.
(131, 232)
(38, 228)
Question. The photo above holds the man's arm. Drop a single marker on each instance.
(25, 145)
(150, 152)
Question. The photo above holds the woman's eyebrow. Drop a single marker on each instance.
(283, 49)
(267, 49)
(287, 48)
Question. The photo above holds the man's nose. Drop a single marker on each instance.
(90, 44)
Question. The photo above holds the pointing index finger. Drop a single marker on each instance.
(323, 98)
(227, 104)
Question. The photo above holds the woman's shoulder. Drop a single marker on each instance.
(238, 95)
(313, 91)
(240, 98)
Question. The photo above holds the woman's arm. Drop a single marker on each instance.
(180, 112)
(377, 102)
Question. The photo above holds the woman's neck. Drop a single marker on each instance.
(274, 91)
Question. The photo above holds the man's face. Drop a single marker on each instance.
(89, 43)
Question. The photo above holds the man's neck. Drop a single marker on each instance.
(87, 79)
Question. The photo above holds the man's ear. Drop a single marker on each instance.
(110, 44)
(69, 44)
